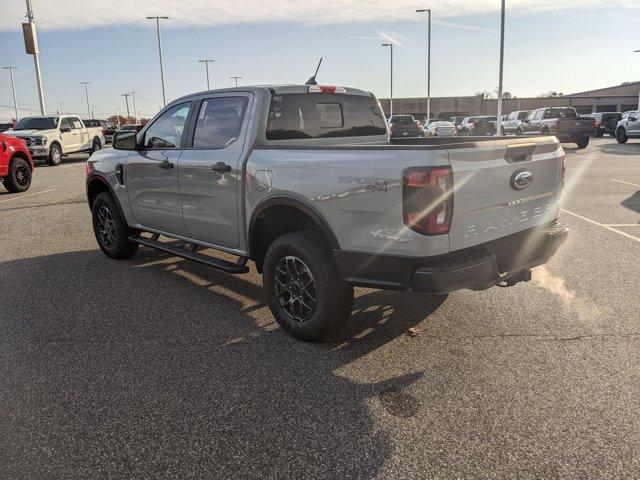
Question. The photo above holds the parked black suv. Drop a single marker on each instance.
(606, 122)
(478, 126)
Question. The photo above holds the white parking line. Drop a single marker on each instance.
(28, 195)
(622, 224)
(627, 183)
(606, 227)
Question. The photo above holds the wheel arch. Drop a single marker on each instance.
(22, 156)
(278, 215)
(56, 142)
(96, 184)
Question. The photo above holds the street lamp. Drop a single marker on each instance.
(391, 86)
(638, 51)
(31, 44)
(13, 88)
(206, 62)
(86, 92)
(428, 10)
(499, 113)
(157, 19)
(236, 79)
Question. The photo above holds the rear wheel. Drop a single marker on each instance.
(599, 133)
(19, 176)
(621, 136)
(303, 287)
(55, 155)
(582, 142)
(110, 229)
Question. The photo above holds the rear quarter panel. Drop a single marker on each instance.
(358, 192)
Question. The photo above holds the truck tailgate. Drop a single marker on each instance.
(491, 196)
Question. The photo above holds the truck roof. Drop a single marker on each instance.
(279, 89)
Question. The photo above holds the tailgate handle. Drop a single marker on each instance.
(520, 152)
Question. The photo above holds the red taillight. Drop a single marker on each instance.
(326, 89)
(428, 199)
(595, 124)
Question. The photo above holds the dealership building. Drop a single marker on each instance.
(619, 98)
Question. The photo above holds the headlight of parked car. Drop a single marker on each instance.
(38, 141)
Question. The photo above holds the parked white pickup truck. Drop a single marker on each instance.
(53, 137)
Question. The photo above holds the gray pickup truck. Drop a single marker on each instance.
(305, 182)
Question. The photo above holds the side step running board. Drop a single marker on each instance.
(218, 263)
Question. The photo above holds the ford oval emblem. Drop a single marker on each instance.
(521, 179)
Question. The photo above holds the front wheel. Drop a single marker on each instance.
(19, 176)
(621, 136)
(582, 142)
(303, 287)
(55, 155)
(110, 229)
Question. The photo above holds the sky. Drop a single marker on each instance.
(559, 45)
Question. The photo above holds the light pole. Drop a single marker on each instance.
(13, 88)
(86, 92)
(126, 99)
(391, 86)
(157, 19)
(428, 10)
(135, 110)
(206, 62)
(499, 113)
(31, 43)
(236, 79)
(638, 51)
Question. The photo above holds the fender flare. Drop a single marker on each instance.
(99, 178)
(288, 201)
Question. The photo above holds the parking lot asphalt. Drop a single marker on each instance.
(156, 367)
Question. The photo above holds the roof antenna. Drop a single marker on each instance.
(312, 80)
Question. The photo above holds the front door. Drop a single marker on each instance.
(633, 126)
(210, 169)
(68, 136)
(152, 173)
(79, 136)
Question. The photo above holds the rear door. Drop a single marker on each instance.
(491, 196)
(152, 172)
(210, 168)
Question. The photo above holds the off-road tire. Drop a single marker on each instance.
(582, 142)
(55, 155)
(621, 136)
(598, 133)
(120, 247)
(19, 177)
(334, 298)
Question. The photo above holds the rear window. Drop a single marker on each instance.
(402, 119)
(320, 115)
(560, 113)
(522, 115)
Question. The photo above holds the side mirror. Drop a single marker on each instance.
(124, 140)
(633, 118)
(65, 129)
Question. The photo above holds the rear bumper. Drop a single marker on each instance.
(505, 261)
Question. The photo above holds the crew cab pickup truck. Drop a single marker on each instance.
(53, 137)
(562, 122)
(16, 165)
(304, 181)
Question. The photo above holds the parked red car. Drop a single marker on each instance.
(16, 164)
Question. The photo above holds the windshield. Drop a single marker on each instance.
(37, 123)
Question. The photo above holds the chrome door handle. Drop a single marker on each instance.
(221, 167)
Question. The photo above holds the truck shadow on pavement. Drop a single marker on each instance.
(158, 368)
(633, 202)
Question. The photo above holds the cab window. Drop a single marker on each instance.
(166, 132)
(65, 123)
(219, 121)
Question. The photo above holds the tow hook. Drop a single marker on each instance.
(521, 276)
